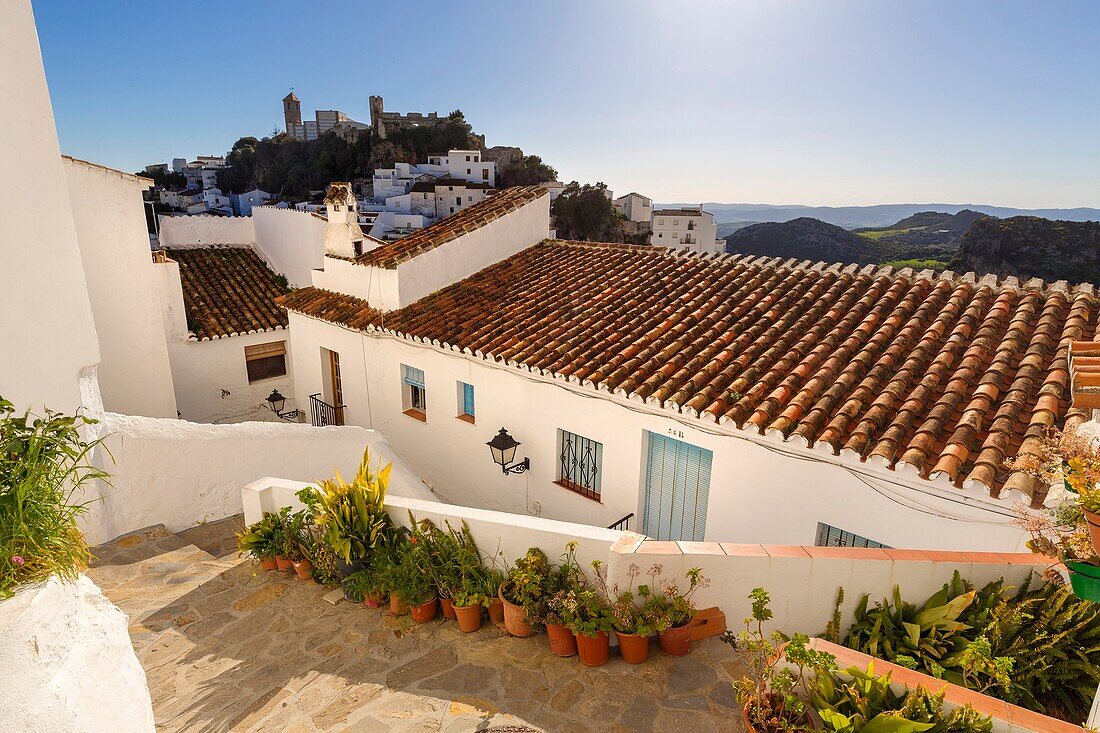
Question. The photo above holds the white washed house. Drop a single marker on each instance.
(466, 165)
(689, 227)
(712, 397)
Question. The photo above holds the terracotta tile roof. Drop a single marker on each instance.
(228, 291)
(941, 376)
(1084, 370)
(469, 219)
(678, 212)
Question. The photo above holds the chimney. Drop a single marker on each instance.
(343, 237)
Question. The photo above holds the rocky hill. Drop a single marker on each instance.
(1028, 246)
(805, 239)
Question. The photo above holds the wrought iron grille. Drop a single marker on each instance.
(322, 413)
(579, 464)
(829, 536)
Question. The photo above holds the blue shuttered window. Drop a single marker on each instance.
(466, 398)
(412, 376)
(677, 489)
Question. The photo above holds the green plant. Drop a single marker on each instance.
(407, 576)
(922, 706)
(925, 634)
(771, 691)
(670, 608)
(629, 610)
(526, 582)
(325, 570)
(353, 515)
(260, 539)
(44, 465)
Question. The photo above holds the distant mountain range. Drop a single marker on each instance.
(881, 215)
(1028, 246)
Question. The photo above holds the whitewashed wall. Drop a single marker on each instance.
(46, 324)
(135, 376)
(178, 473)
(756, 493)
(390, 289)
(292, 242)
(68, 664)
(203, 230)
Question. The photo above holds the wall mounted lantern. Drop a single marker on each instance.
(503, 448)
(276, 402)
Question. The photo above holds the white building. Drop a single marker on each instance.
(706, 396)
(244, 202)
(216, 201)
(689, 227)
(466, 165)
(635, 207)
(227, 339)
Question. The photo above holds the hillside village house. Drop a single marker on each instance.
(688, 227)
(706, 395)
(462, 164)
(637, 211)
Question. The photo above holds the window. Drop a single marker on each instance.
(467, 160)
(466, 402)
(485, 174)
(468, 170)
(357, 247)
(579, 461)
(265, 361)
(458, 201)
(829, 536)
(413, 395)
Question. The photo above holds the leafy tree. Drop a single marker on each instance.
(165, 178)
(289, 167)
(585, 212)
(526, 171)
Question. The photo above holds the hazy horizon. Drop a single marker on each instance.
(850, 103)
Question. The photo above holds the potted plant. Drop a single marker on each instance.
(494, 578)
(412, 584)
(633, 624)
(586, 611)
(259, 540)
(522, 590)
(562, 578)
(352, 516)
(470, 599)
(296, 539)
(769, 693)
(369, 583)
(671, 610)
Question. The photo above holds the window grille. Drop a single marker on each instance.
(829, 536)
(579, 464)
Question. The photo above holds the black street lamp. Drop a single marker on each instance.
(276, 402)
(503, 448)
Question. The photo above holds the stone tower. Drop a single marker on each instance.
(376, 125)
(292, 111)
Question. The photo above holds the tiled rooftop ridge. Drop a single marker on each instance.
(228, 291)
(1084, 367)
(470, 219)
(936, 374)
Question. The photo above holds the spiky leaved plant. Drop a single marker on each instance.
(353, 515)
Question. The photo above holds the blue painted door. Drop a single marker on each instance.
(677, 488)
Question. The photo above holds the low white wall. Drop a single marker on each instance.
(496, 533)
(178, 473)
(67, 663)
(292, 242)
(203, 230)
(802, 581)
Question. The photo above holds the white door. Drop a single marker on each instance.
(677, 488)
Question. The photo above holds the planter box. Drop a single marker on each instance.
(1007, 718)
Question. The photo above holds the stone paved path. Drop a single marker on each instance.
(227, 647)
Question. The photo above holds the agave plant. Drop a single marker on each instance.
(353, 515)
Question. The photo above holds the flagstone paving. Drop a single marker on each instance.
(227, 647)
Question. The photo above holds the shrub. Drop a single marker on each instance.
(526, 582)
(260, 539)
(44, 463)
(353, 515)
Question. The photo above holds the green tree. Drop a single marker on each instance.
(526, 171)
(585, 212)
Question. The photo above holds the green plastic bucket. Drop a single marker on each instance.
(1085, 580)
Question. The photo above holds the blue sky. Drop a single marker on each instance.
(830, 103)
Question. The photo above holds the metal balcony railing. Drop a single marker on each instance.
(322, 413)
(623, 524)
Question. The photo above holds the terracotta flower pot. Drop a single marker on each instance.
(424, 612)
(374, 600)
(593, 651)
(268, 563)
(448, 607)
(676, 642)
(1092, 519)
(304, 569)
(562, 641)
(633, 647)
(749, 727)
(397, 606)
(469, 617)
(496, 612)
(283, 563)
(515, 617)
